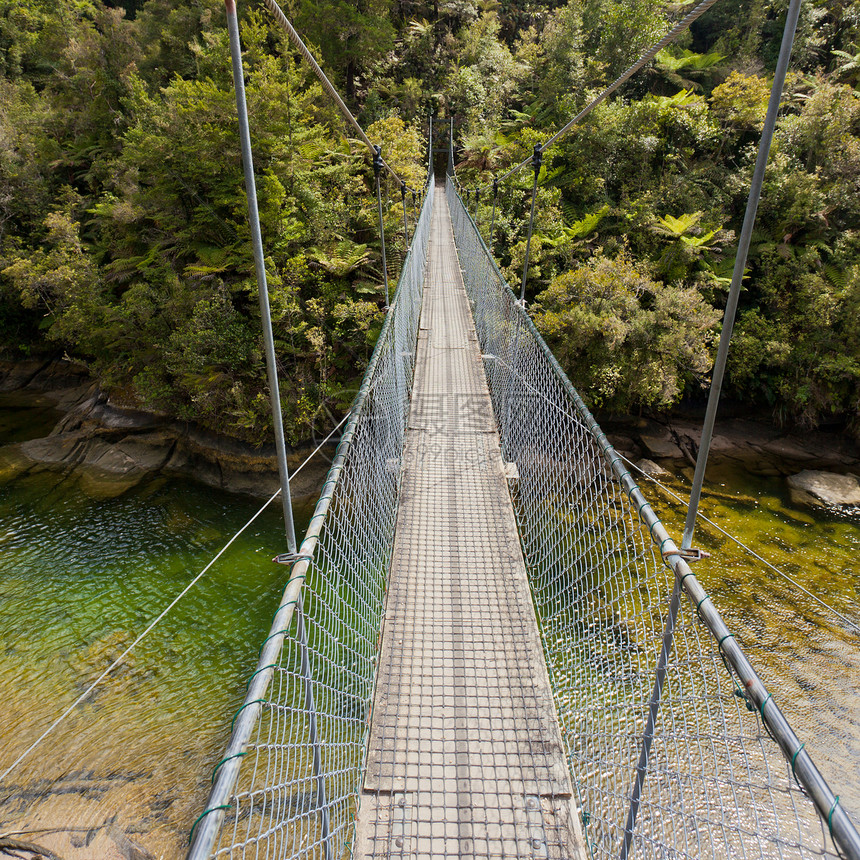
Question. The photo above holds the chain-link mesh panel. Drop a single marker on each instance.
(715, 784)
(299, 738)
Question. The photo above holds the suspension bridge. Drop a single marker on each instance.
(488, 644)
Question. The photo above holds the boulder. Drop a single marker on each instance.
(650, 468)
(624, 445)
(825, 489)
(660, 444)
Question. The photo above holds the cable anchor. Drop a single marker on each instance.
(537, 159)
(687, 554)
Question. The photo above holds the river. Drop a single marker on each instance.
(83, 575)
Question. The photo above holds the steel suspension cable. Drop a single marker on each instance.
(649, 55)
(153, 624)
(743, 546)
(294, 37)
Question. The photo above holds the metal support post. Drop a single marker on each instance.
(430, 150)
(738, 273)
(710, 416)
(537, 158)
(477, 201)
(414, 208)
(403, 204)
(260, 267)
(451, 149)
(313, 730)
(651, 723)
(377, 169)
(493, 217)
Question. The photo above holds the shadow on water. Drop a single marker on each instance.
(25, 416)
(129, 769)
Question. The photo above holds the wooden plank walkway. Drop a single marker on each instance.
(465, 756)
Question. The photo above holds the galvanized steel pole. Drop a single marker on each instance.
(377, 169)
(311, 709)
(493, 217)
(738, 273)
(260, 266)
(430, 151)
(537, 158)
(405, 225)
(710, 417)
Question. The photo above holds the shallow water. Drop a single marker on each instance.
(808, 657)
(80, 577)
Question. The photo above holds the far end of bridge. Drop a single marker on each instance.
(465, 756)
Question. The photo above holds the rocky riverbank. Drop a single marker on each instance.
(822, 469)
(111, 449)
(759, 446)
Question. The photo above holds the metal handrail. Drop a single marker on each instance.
(224, 781)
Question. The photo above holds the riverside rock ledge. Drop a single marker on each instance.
(825, 489)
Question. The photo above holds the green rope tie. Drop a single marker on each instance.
(794, 757)
(283, 606)
(706, 597)
(739, 690)
(272, 636)
(226, 759)
(246, 705)
(681, 583)
(202, 815)
(643, 505)
(665, 541)
(761, 709)
(830, 816)
(261, 669)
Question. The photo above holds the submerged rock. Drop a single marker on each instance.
(652, 469)
(659, 443)
(825, 489)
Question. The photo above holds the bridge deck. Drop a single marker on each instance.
(465, 755)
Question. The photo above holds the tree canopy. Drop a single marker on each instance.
(123, 231)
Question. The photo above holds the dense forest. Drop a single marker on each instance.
(123, 234)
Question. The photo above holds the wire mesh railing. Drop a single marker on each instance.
(676, 749)
(287, 785)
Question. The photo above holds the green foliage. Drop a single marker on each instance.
(626, 339)
(741, 101)
(123, 227)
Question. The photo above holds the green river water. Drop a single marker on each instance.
(81, 576)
